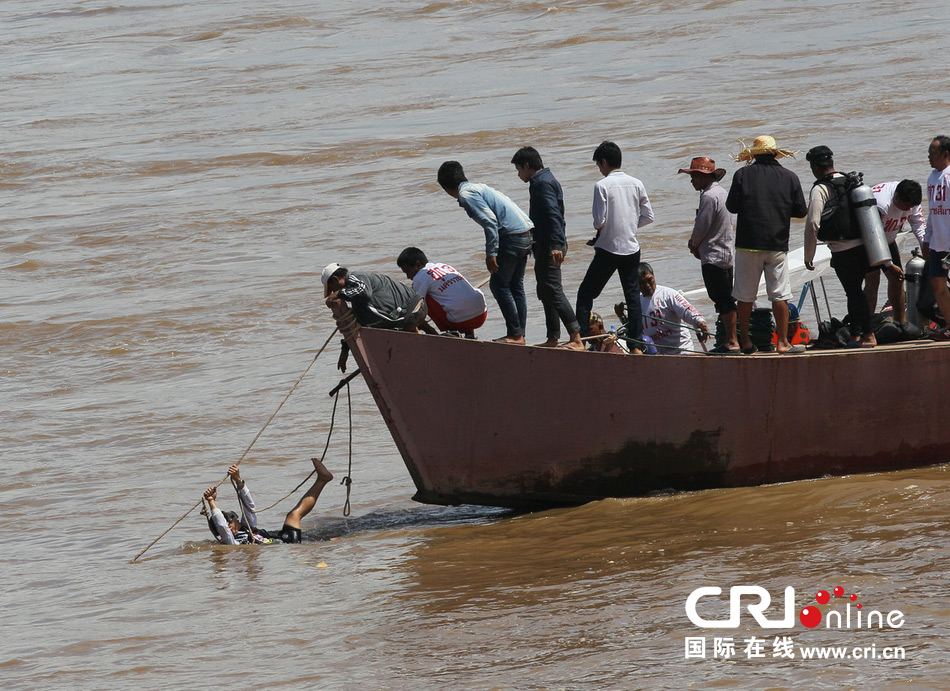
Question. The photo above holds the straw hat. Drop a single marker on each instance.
(762, 145)
(702, 164)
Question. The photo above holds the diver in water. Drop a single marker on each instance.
(229, 527)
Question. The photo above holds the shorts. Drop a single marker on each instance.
(934, 260)
(719, 282)
(442, 321)
(289, 535)
(749, 267)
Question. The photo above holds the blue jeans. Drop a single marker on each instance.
(601, 268)
(507, 284)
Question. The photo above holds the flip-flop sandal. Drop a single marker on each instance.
(750, 350)
(719, 350)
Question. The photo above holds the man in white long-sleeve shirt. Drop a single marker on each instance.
(232, 528)
(621, 206)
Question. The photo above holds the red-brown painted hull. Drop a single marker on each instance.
(484, 423)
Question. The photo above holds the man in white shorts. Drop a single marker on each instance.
(765, 197)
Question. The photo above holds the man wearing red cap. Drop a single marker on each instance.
(713, 243)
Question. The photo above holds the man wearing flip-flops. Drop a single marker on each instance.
(765, 197)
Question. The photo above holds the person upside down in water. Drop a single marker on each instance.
(231, 528)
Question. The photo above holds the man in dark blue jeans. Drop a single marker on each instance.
(507, 243)
(621, 206)
(546, 211)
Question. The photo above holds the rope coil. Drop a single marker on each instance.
(347, 324)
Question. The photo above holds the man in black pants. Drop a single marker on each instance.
(830, 220)
(621, 206)
(546, 211)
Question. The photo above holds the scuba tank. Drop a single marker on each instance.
(864, 207)
(913, 276)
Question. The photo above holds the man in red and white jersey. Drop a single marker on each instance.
(668, 316)
(937, 238)
(454, 304)
(897, 202)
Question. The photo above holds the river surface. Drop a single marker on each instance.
(174, 176)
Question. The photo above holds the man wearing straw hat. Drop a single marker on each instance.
(713, 243)
(765, 197)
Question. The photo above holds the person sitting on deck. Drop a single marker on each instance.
(608, 343)
(231, 528)
(376, 300)
(453, 303)
(666, 314)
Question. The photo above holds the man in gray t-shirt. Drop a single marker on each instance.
(376, 300)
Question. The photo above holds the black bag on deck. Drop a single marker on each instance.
(912, 332)
(832, 334)
(885, 329)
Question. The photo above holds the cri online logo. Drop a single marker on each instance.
(810, 616)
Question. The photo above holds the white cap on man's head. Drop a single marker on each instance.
(328, 271)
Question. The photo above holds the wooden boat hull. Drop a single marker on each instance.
(500, 425)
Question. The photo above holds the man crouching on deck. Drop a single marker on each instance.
(230, 528)
(376, 300)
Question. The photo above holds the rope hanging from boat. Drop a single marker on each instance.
(348, 479)
(243, 455)
(336, 399)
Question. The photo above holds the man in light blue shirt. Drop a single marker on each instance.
(507, 243)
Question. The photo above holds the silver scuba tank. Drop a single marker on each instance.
(868, 217)
(913, 276)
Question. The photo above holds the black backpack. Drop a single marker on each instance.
(838, 221)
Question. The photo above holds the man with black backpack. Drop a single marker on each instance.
(831, 220)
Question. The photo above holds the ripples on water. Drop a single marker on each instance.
(174, 176)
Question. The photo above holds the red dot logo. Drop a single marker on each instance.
(839, 591)
(853, 597)
(859, 605)
(810, 617)
(822, 597)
